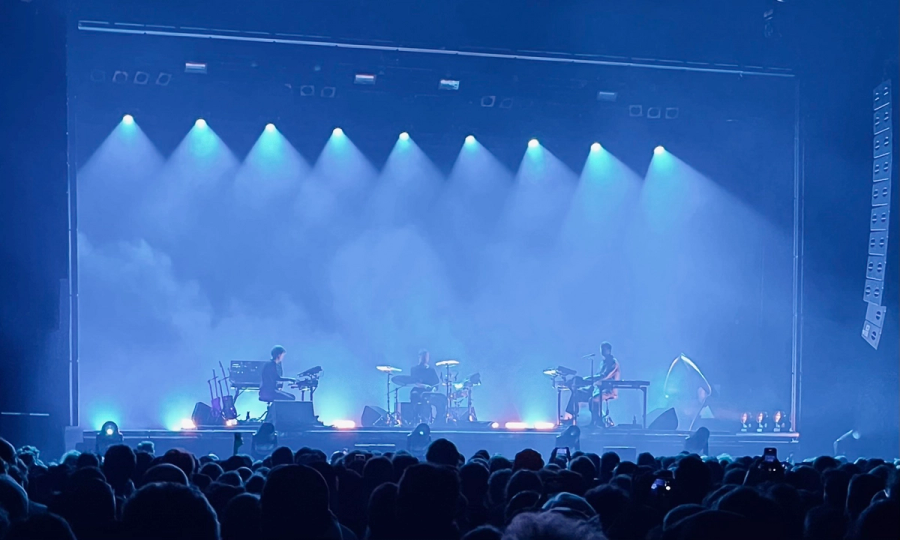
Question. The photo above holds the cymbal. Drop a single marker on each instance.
(388, 369)
(402, 380)
(443, 363)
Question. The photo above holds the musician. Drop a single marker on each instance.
(273, 378)
(609, 371)
(423, 397)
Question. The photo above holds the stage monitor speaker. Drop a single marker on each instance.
(373, 416)
(667, 421)
(203, 415)
(292, 415)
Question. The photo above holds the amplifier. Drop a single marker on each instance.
(293, 415)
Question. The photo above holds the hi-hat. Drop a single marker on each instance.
(443, 363)
(388, 369)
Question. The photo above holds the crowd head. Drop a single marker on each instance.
(134, 493)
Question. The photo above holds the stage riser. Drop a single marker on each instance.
(220, 442)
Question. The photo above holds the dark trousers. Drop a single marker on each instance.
(584, 396)
(424, 401)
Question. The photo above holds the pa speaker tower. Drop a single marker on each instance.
(882, 168)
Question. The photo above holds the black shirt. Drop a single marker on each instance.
(271, 374)
(423, 374)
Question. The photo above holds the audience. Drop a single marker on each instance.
(133, 494)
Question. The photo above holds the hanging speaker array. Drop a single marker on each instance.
(882, 145)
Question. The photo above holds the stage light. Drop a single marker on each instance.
(200, 123)
(516, 425)
(337, 132)
(779, 422)
(418, 440)
(448, 84)
(110, 428)
(270, 127)
(187, 423)
(470, 139)
(570, 438)
(404, 136)
(265, 440)
(853, 434)
(698, 442)
(231, 422)
(544, 425)
(533, 143)
(596, 147)
(364, 79)
(659, 150)
(108, 436)
(127, 119)
(343, 424)
(198, 68)
(495, 425)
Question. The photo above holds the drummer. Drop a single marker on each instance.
(424, 379)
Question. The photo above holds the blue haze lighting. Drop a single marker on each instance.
(337, 132)
(470, 139)
(404, 136)
(659, 150)
(200, 123)
(533, 143)
(270, 127)
(596, 147)
(128, 119)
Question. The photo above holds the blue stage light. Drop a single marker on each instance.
(470, 139)
(533, 143)
(596, 147)
(128, 119)
(270, 127)
(404, 136)
(337, 132)
(200, 123)
(659, 150)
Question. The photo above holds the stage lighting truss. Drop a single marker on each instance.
(876, 263)
(142, 78)
(197, 68)
(488, 101)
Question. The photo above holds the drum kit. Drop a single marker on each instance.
(449, 402)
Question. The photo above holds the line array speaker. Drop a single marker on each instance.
(882, 164)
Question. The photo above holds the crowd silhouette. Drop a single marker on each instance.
(305, 494)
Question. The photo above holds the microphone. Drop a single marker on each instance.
(589, 355)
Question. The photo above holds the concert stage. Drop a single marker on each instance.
(507, 442)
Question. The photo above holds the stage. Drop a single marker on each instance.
(624, 441)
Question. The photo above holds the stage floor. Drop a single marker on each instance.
(626, 442)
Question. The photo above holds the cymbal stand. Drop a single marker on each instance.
(556, 384)
(390, 417)
(449, 384)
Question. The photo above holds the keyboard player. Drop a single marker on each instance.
(594, 396)
(273, 379)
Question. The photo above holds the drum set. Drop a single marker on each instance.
(450, 402)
